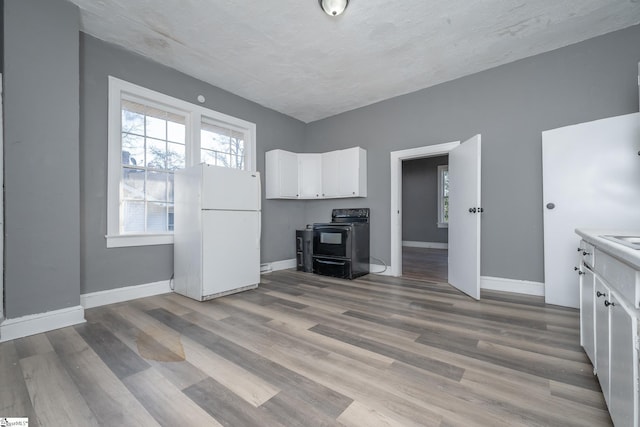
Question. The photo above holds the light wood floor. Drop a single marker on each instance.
(307, 350)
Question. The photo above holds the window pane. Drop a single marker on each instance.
(156, 123)
(156, 154)
(156, 217)
(208, 157)
(237, 162)
(157, 186)
(175, 156)
(133, 217)
(445, 181)
(132, 150)
(176, 130)
(132, 183)
(213, 141)
(132, 117)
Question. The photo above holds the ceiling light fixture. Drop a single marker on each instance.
(333, 7)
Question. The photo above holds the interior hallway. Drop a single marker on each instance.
(425, 263)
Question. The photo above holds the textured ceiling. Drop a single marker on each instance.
(290, 56)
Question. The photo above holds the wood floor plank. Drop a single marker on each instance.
(106, 396)
(14, 396)
(118, 357)
(168, 404)
(55, 397)
(253, 389)
(437, 367)
(225, 406)
(333, 403)
(32, 345)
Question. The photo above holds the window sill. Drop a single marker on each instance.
(128, 240)
(443, 225)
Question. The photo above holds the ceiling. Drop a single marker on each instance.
(290, 56)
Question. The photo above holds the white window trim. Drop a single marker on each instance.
(194, 114)
(441, 222)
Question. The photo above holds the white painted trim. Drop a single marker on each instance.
(512, 285)
(396, 194)
(285, 264)
(33, 324)
(429, 245)
(125, 293)
(124, 240)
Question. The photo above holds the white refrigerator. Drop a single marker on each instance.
(216, 231)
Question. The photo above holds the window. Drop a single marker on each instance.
(443, 196)
(150, 136)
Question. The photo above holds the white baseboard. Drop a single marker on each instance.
(278, 265)
(33, 324)
(429, 245)
(512, 285)
(126, 293)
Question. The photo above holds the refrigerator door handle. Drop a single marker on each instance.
(259, 229)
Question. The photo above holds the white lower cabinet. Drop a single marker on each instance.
(609, 335)
(602, 336)
(587, 314)
(623, 363)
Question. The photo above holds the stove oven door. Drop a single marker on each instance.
(332, 241)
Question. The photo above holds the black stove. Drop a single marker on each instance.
(341, 247)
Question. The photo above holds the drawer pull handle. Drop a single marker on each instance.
(600, 294)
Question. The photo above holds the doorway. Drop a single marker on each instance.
(425, 218)
(464, 210)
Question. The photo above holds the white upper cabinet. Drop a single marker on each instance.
(281, 174)
(340, 173)
(344, 173)
(309, 176)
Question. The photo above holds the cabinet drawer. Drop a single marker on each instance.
(623, 278)
(587, 252)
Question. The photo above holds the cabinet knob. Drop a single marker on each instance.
(607, 303)
(585, 253)
(579, 249)
(599, 294)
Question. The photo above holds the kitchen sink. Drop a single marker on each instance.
(632, 242)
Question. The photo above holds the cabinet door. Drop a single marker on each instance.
(281, 175)
(602, 337)
(332, 174)
(623, 358)
(587, 314)
(310, 175)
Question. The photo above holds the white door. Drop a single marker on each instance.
(230, 250)
(590, 176)
(464, 217)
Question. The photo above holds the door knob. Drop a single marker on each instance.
(472, 210)
(551, 205)
(599, 294)
(607, 303)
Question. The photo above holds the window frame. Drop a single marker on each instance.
(194, 114)
(441, 221)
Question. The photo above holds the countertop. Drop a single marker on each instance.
(617, 250)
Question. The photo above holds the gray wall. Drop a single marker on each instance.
(420, 200)
(510, 106)
(104, 268)
(42, 213)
